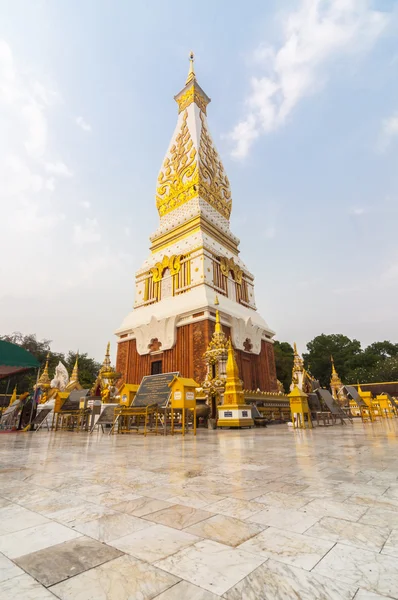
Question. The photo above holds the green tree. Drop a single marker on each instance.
(284, 363)
(88, 368)
(346, 354)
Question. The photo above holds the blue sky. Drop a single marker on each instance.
(304, 113)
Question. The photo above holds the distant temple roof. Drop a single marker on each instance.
(383, 387)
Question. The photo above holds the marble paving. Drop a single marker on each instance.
(265, 514)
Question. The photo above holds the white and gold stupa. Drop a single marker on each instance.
(194, 256)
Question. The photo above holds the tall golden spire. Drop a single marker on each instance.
(233, 388)
(75, 373)
(106, 365)
(191, 72)
(218, 328)
(333, 367)
(44, 379)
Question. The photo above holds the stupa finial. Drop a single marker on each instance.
(191, 72)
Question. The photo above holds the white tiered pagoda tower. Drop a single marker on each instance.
(194, 258)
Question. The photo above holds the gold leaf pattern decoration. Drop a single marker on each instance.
(185, 175)
(227, 265)
(168, 262)
(178, 179)
(214, 184)
(192, 95)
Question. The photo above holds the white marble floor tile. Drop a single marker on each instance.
(8, 569)
(211, 565)
(374, 501)
(381, 518)
(225, 530)
(365, 595)
(111, 527)
(340, 510)
(141, 506)
(57, 563)
(371, 571)
(178, 516)
(124, 578)
(154, 543)
(232, 507)
(195, 499)
(290, 520)
(35, 538)
(24, 587)
(14, 518)
(288, 547)
(4, 502)
(282, 500)
(186, 591)
(80, 514)
(276, 581)
(354, 534)
(391, 545)
(249, 494)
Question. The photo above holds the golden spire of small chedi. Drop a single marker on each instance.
(216, 360)
(44, 381)
(234, 412)
(336, 386)
(300, 376)
(105, 383)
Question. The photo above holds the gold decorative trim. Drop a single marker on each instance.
(193, 94)
(168, 262)
(184, 177)
(227, 265)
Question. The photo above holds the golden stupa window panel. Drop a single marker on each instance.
(152, 289)
(242, 292)
(182, 279)
(220, 280)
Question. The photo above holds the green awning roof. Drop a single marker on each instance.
(14, 359)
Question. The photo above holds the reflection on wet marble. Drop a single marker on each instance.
(346, 532)
(211, 565)
(141, 506)
(328, 508)
(154, 543)
(282, 500)
(276, 581)
(124, 578)
(225, 530)
(292, 520)
(232, 507)
(110, 527)
(35, 538)
(288, 547)
(222, 509)
(179, 516)
(62, 561)
(371, 571)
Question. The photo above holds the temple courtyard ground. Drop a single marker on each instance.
(257, 514)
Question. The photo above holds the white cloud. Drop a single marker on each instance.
(317, 32)
(357, 211)
(58, 168)
(86, 233)
(86, 204)
(389, 131)
(83, 124)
